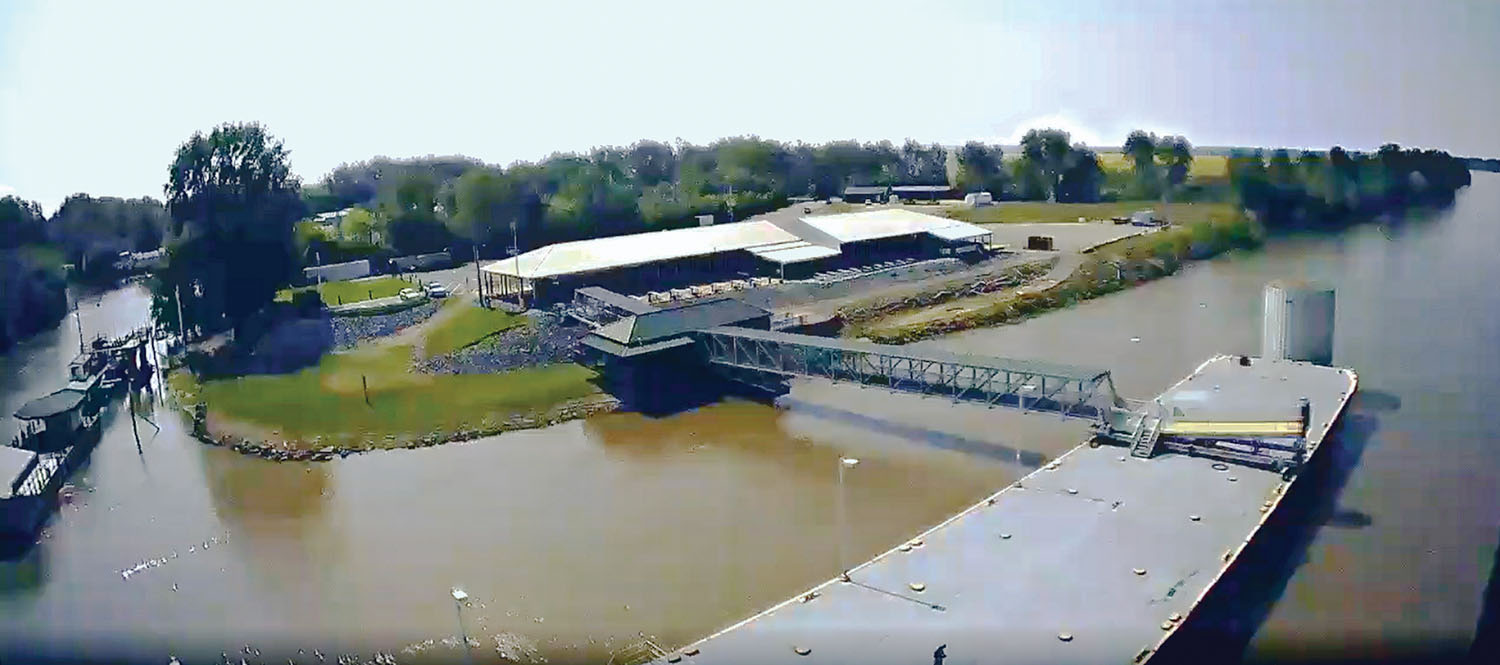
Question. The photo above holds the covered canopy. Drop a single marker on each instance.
(61, 401)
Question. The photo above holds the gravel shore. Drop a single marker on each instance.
(349, 331)
(546, 340)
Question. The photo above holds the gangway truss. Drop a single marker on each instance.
(1031, 385)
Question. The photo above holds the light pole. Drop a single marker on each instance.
(844, 463)
(1026, 389)
(458, 603)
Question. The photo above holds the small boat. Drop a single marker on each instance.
(59, 431)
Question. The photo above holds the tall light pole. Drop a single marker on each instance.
(458, 603)
(844, 463)
(1026, 389)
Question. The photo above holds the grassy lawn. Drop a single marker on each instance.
(1042, 212)
(328, 400)
(466, 326)
(335, 293)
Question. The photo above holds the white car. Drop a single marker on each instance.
(410, 294)
(436, 290)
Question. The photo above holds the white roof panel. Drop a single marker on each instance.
(797, 253)
(890, 223)
(631, 250)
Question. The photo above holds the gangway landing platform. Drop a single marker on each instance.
(1097, 557)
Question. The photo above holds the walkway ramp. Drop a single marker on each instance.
(1028, 384)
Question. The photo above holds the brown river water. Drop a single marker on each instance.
(574, 540)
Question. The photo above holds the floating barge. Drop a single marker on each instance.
(58, 433)
(1098, 557)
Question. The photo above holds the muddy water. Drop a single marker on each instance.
(574, 540)
(1403, 557)
(571, 541)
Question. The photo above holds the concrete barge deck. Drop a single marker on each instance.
(1097, 557)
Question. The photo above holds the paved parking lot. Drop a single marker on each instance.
(1067, 237)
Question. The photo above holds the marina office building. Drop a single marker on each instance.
(785, 247)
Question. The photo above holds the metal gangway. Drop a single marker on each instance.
(1030, 385)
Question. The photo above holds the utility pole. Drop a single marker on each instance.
(78, 317)
(478, 276)
(133, 430)
(181, 329)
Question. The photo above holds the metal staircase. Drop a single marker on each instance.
(638, 653)
(1144, 444)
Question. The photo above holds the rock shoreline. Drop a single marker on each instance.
(296, 451)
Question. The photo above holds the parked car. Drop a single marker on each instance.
(436, 290)
(410, 294)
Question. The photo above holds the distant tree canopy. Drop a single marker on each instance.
(1333, 188)
(1050, 168)
(92, 232)
(32, 290)
(21, 223)
(233, 201)
(434, 202)
(981, 168)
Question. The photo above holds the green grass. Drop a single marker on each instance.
(467, 326)
(328, 400)
(335, 293)
(1041, 212)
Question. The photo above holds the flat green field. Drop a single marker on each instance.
(1204, 166)
(335, 293)
(329, 400)
(466, 326)
(1029, 212)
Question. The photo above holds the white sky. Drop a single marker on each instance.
(95, 96)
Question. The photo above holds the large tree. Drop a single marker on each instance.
(1140, 149)
(486, 203)
(1175, 155)
(981, 168)
(93, 231)
(233, 200)
(1045, 153)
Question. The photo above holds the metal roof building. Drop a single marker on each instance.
(777, 242)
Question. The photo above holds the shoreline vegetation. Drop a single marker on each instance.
(374, 396)
(1109, 268)
(237, 226)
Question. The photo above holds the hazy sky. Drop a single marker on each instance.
(95, 96)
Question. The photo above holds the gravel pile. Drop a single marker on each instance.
(351, 330)
(546, 340)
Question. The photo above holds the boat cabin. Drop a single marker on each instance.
(54, 421)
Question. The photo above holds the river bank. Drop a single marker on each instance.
(1106, 269)
(459, 374)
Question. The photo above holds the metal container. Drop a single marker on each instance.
(1298, 323)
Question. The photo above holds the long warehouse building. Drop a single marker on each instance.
(784, 247)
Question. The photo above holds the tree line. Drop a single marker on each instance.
(85, 232)
(1334, 188)
(230, 220)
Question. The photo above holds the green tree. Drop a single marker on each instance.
(360, 224)
(1176, 157)
(21, 223)
(486, 205)
(1140, 149)
(1046, 151)
(981, 168)
(232, 200)
(93, 231)
(1081, 177)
